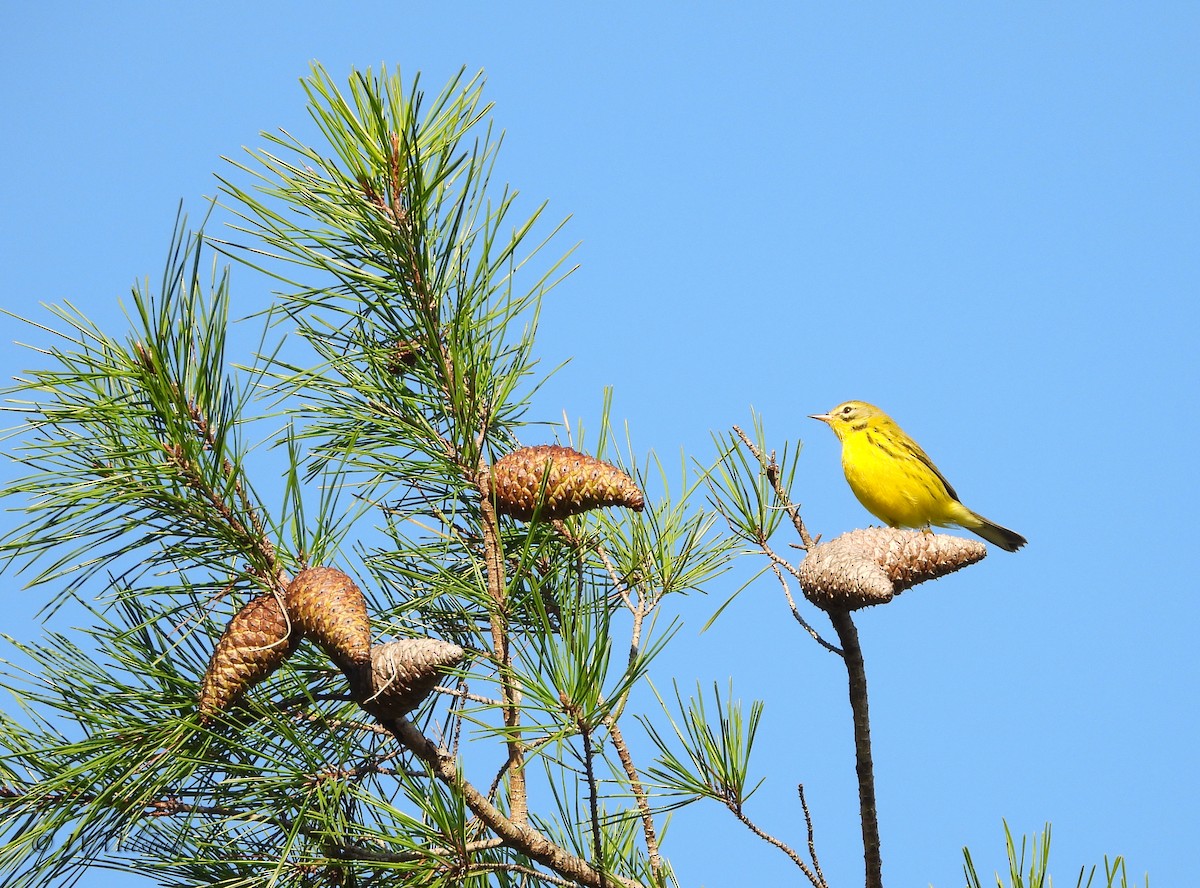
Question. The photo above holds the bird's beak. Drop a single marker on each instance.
(824, 417)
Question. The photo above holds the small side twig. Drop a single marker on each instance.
(771, 468)
(345, 851)
(462, 694)
(632, 597)
(779, 564)
(808, 627)
(812, 843)
(585, 731)
(813, 877)
(531, 747)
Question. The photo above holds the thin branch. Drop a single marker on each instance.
(255, 539)
(852, 655)
(799, 618)
(509, 688)
(778, 563)
(321, 718)
(771, 468)
(777, 560)
(204, 427)
(375, 765)
(465, 695)
(454, 716)
(808, 824)
(516, 834)
(530, 748)
(618, 581)
(167, 806)
(639, 795)
(356, 852)
(585, 731)
(639, 608)
(782, 846)
(525, 871)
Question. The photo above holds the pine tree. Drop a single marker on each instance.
(412, 656)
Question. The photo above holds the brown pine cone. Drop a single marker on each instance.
(329, 608)
(576, 483)
(255, 643)
(403, 356)
(403, 673)
(865, 567)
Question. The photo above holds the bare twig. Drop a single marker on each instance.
(585, 731)
(455, 857)
(777, 560)
(357, 852)
(453, 724)
(799, 618)
(463, 694)
(635, 601)
(530, 747)
(639, 795)
(812, 844)
(540, 875)
(817, 882)
(779, 564)
(291, 703)
(771, 468)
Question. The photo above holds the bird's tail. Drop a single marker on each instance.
(1008, 540)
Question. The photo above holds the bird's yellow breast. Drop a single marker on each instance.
(893, 485)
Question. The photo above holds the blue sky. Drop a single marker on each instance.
(981, 217)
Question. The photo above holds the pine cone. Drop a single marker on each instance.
(403, 356)
(404, 673)
(255, 643)
(576, 483)
(328, 607)
(865, 567)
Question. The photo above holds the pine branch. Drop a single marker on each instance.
(852, 654)
(639, 793)
(509, 689)
(516, 834)
(774, 475)
(412, 366)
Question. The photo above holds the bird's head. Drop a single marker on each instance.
(849, 416)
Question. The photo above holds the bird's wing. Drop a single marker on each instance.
(920, 454)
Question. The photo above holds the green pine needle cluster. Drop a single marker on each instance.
(1036, 873)
(175, 470)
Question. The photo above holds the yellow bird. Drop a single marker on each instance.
(896, 481)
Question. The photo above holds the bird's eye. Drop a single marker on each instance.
(847, 410)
